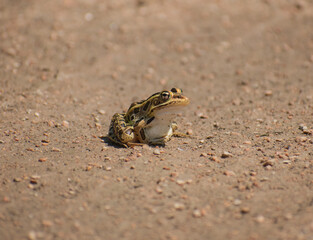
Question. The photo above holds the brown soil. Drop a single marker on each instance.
(67, 66)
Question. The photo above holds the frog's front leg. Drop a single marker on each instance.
(176, 133)
(120, 132)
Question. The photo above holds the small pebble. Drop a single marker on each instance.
(197, 213)
(236, 102)
(56, 149)
(226, 154)
(301, 139)
(173, 174)
(47, 223)
(34, 179)
(237, 202)
(286, 161)
(268, 93)
(268, 167)
(306, 165)
(42, 159)
(156, 151)
(308, 131)
(245, 210)
(184, 60)
(6, 199)
(32, 235)
(288, 216)
(101, 111)
(10, 51)
(189, 132)
(215, 159)
(17, 179)
(188, 181)
(268, 162)
(179, 206)
(65, 124)
(96, 119)
(180, 182)
(302, 127)
(260, 219)
(229, 173)
(88, 16)
(264, 179)
(158, 189)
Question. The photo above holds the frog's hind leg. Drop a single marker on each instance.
(113, 138)
(120, 132)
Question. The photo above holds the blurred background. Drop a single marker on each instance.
(66, 66)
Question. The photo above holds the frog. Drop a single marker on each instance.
(149, 121)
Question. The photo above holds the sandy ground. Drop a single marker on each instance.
(67, 66)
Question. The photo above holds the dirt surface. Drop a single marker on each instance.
(67, 66)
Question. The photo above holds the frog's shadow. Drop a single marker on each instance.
(107, 140)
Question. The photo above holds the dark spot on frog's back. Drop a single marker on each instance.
(142, 134)
(120, 131)
(150, 120)
(145, 107)
(136, 110)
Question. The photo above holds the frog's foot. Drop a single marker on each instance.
(159, 141)
(134, 144)
(181, 135)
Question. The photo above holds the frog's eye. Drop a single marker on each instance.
(165, 96)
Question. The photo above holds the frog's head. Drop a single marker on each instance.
(160, 102)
